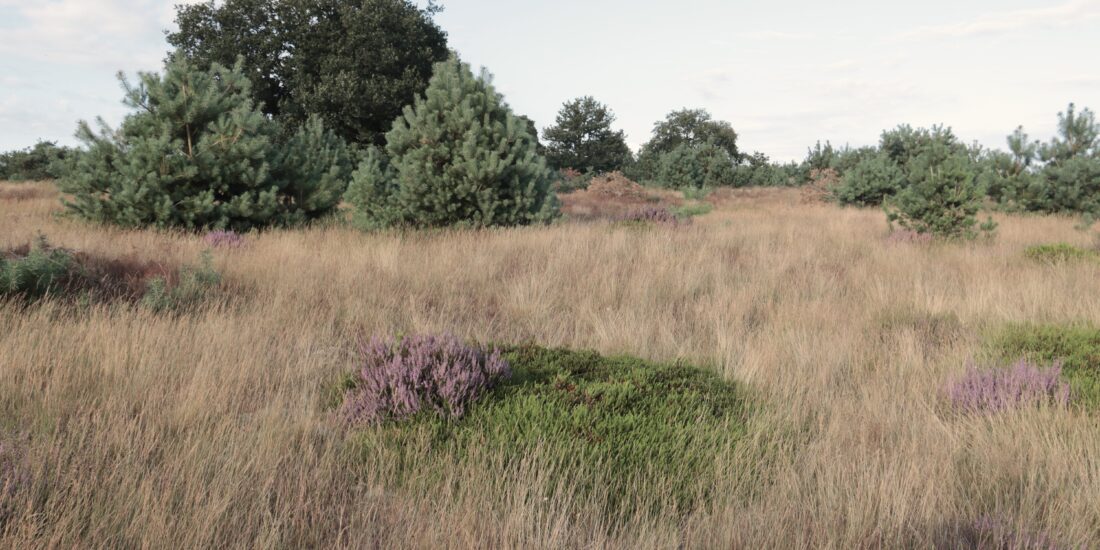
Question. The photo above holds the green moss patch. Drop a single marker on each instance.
(1059, 253)
(633, 435)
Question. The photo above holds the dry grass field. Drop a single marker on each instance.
(209, 429)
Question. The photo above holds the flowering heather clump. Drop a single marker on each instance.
(1021, 385)
(399, 378)
(908, 236)
(223, 239)
(651, 214)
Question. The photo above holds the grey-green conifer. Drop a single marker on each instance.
(458, 157)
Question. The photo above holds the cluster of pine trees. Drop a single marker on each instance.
(272, 113)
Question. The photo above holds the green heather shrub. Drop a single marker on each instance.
(1058, 253)
(632, 435)
(194, 286)
(42, 271)
(458, 157)
(1076, 346)
(196, 153)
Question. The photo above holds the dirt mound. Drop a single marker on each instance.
(616, 185)
(820, 188)
(611, 196)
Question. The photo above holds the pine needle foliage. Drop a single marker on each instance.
(196, 153)
(459, 157)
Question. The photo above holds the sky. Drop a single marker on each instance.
(784, 73)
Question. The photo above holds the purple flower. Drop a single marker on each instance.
(989, 529)
(223, 239)
(1023, 384)
(399, 378)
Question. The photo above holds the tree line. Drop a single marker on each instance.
(270, 112)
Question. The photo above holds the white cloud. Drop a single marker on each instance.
(115, 33)
(1070, 13)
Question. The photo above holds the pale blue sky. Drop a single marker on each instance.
(785, 73)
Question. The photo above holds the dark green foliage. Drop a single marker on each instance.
(582, 138)
(869, 182)
(1059, 253)
(758, 170)
(197, 154)
(1077, 346)
(634, 435)
(195, 285)
(904, 144)
(42, 162)
(458, 157)
(355, 64)
(698, 166)
(940, 196)
(42, 271)
(681, 130)
(1060, 176)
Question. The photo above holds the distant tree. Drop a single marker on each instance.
(457, 157)
(582, 138)
(692, 128)
(1066, 177)
(196, 153)
(354, 63)
(43, 161)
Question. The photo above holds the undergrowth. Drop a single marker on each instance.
(633, 435)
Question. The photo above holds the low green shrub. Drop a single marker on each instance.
(193, 287)
(692, 210)
(1058, 253)
(43, 270)
(632, 435)
(1076, 346)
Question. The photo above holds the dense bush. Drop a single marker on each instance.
(684, 130)
(42, 162)
(582, 139)
(197, 154)
(42, 271)
(695, 166)
(399, 378)
(869, 182)
(1076, 346)
(1021, 385)
(458, 157)
(355, 65)
(619, 431)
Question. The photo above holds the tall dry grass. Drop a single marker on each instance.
(209, 429)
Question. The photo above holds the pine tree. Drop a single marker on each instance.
(582, 138)
(458, 157)
(941, 196)
(196, 153)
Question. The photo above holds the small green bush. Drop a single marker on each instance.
(1058, 253)
(195, 284)
(42, 271)
(692, 210)
(1077, 346)
(634, 435)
